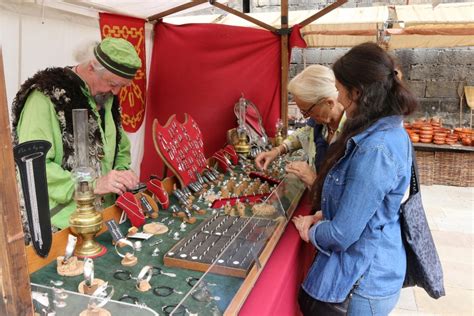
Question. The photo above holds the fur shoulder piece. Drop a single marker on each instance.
(63, 87)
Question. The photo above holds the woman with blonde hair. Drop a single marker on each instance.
(315, 94)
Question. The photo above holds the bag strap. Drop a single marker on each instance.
(414, 184)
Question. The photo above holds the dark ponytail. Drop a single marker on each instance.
(370, 71)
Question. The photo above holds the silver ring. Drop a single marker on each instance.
(100, 297)
(117, 184)
(88, 271)
(145, 274)
(126, 242)
(71, 245)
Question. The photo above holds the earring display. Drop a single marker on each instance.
(180, 146)
(234, 243)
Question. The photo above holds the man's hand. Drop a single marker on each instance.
(116, 182)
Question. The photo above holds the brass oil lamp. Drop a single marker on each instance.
(85, 222)
(279, 133)
(242, 147)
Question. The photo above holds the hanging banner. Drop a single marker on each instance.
(132, 98)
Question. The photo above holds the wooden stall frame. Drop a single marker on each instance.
(15, 258)
(14, 278)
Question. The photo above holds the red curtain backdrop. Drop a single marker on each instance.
(202, 69)
(132, 98)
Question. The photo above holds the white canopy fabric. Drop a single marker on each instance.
(446, 25)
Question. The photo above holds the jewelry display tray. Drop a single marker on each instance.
(234, 243)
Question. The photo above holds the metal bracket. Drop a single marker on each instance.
(284, 31)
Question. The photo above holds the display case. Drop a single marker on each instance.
(207, 267)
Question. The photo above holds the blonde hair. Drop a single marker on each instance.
(314, 83)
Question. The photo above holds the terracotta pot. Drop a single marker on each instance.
(415, 138)
(467, 141)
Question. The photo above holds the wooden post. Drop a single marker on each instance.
(284, 64)
(15, 281)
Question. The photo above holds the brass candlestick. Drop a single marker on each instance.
(85, 221)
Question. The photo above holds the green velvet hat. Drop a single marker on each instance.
(118, 56)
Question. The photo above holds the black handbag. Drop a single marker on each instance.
(423, 264)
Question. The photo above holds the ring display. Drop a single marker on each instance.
(124, 242)
(88, 271)
(71, 245)
(145, 274)
(100, 297)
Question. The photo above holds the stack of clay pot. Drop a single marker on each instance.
(432, 131)
(465, 135)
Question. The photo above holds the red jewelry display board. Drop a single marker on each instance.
(180, 146)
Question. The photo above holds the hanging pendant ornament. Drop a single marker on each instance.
(30, 158)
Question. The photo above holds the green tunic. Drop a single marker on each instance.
(39, 120)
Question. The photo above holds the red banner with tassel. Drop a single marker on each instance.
(132, 98)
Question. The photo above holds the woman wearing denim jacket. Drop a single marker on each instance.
(361, 263)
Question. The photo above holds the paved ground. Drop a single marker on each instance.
(450, 212)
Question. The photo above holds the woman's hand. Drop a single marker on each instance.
(116, 182)
(303, 171)
(304, 223)
(265, 158)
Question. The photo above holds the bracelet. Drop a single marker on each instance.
(122, 275)
(163, 291)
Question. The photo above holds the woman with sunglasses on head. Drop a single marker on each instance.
(315, 94)
(361, 261)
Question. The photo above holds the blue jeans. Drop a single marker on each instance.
(381, 306)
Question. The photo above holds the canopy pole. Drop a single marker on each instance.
(284, 65)
(175, 10)
(322, 12)
(14, 278)
(243, 16)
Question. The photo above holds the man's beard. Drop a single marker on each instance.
(101, 98)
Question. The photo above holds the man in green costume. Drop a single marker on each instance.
(42, 109)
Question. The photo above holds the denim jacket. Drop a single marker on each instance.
(359, 239)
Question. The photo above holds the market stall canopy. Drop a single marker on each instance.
(424, 25)
(404, 26)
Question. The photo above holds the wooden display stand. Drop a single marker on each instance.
(60, 238)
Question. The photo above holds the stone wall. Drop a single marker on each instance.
(434, 75)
